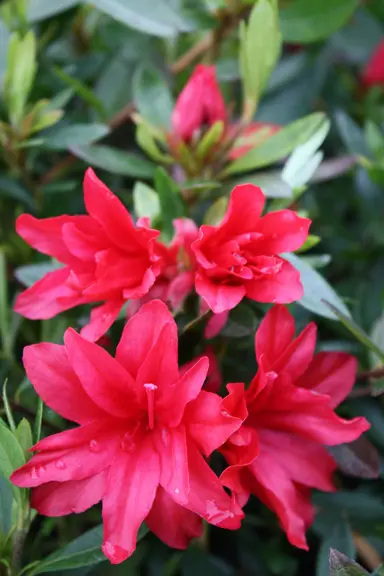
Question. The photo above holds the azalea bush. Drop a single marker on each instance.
(192, 287)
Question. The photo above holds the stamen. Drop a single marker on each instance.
(150, 391)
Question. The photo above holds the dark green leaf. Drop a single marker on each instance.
(31, 273)
(76, 135)
(341, 565)
(316, 290)
(171, 202)
(356, 505)
(340, 537)
(6, 498)
(242, 322)
(311, 20)
(83, 91)
(359, 458)
(152, 96)
(12, 189)
(279, 145)
(153, 18)
(351, 134)
(84, 551)
(115, 160)
(41, 9)
(377, 337)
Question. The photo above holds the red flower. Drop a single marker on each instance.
(200, 103)
(240, 256)
(373, 71)
(105, 258)
(279, 453)
(252, 136)
(176, 280)
(143, 430)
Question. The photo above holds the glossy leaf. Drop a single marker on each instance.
(279, 145)
(316, 290)
(31, 273)
(146, 202)
(115, 160)
(84, 551)
(359, 458)
(311, 20)
(76, 135)
(171, 202)
(41, 9)
(152, 96)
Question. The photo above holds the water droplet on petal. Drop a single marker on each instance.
(127, 443)
(177, 491)
(165, 436)
(35, 473)
(225, 413)
(60, 465)
(94, 446)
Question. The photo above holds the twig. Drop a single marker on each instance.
(367, 552)
(186, 59)
(376, 373)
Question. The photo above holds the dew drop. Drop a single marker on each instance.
(60, 465)
(225, 413)
(177, 491)
(94, 446)
(127, 443)
(35, 473)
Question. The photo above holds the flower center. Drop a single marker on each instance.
(150, 390)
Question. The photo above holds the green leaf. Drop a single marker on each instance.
(152, 96)
(279, 145)
(6, 499)
(355, 330)
(8, 409)
(351, 134)
(83, 91)
(84, 551)
(209, 140)
(6, 341)
(20, 75)
(24, 435)
(379, 571)
(115, 160)
(341, 565)
(374, 138)
(146, 202)
(377, 337)
(31, 273)
(260, 44)
(340, 536)
(216, 211)
(171, 202)
(310, 242)
(359, 458)
(312, 20)
(305, 159)
(155, 18)
(146, 141)
(270, 182)
(41, 9)
(76, 135)
(316, 290)
(11, 453)
(242, 322)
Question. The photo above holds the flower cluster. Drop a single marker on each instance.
(146, 430)
(108, 258)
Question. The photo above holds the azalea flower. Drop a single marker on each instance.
(144, 430)
(279, 453)
(373, 71)
(105, 257)
(240, 257)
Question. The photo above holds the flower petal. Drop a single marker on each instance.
(172, 523)
(274, 335)
(141, 333)
(209, 424)
(109, 385)
(283, 287)
(75, 463)
(283, 231)
(207, 497)
(215, 324)
(237, 220)
(171, 446)
(330, 373)
(43, 300)
(131, 489)
(74, 496)
(101, 320)
(55, 381)
(218, 296)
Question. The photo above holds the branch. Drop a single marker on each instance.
(367, 552)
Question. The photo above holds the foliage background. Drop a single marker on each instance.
(98, 63)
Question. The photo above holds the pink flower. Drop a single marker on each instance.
(240, 257)
(200, 103)
(105, 257)
(176, 280)
(143, 430)
(373, 71)
(279, 452)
